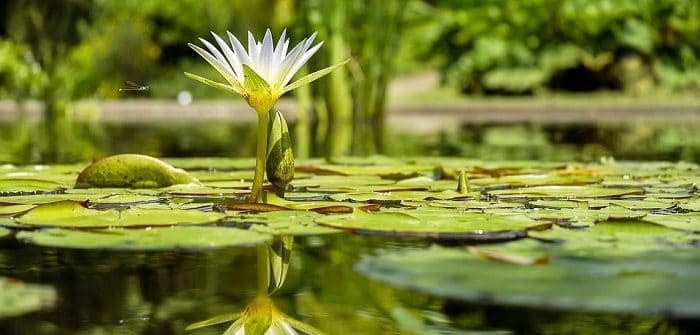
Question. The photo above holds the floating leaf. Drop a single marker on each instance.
(76, 215)
(295, 223)
(435, 223)
(690, 221)
(132, 171)
(17, 185)
(256, 207)
(565, 192)
(14, 209)
(144, 239)
(649, 283)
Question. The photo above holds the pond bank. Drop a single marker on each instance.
(414, 116)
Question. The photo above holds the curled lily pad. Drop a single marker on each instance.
(144, 239)
(132, 171)
(75, 214)
(18, 298)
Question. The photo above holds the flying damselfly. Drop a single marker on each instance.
(132, 86)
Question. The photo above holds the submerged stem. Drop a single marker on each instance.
(260, 156)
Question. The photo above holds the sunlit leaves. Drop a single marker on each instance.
(144, 239)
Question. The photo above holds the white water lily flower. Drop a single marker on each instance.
(262, 73)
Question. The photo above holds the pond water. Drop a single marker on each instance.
(162, 292)
(490, 141)
(363, 246)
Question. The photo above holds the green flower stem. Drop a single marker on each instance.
(260, 157)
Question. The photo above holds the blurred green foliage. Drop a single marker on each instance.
(61, 51)
(515, 47)
(493, 46)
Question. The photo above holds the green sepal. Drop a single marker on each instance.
(280, 158)
(303, 327)
(257, 91)
(214, 321)
(213, 83)
(312, 76)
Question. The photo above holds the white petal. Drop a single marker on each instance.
(220, 67)
(252, 49)
(287, 64)
(239, 49)
(282, 45)
(308, 54)
(266, 53)
(230, 56)
(216, 53)
(300, 62)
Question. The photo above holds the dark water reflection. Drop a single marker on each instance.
(163, 292)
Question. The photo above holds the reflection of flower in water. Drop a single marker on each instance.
(261, 317)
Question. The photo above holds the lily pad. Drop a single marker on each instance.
(690, 221)
(565, 192)
(436, 223)
(28, 185)
(144, 239)
(288, 223)
(132, 171)
(76, 215)
(651, 283)
(17, 298)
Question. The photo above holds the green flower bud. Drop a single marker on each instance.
(280, 159)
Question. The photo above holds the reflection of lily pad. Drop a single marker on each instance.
(648, 283)
(18, 298)
(75, 215)
(144, 239)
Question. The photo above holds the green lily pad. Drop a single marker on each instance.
(690, 205)
(588, 216)
(4, 232)
(565, 192)
(531, 180)
(14, 209)
(619, 238)
(690, 221)
(649, 283)
(144, 239)
(28, 185)
(76, 215)
(132, 171)
(286, 223)
(17, 298)
(436, 222)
